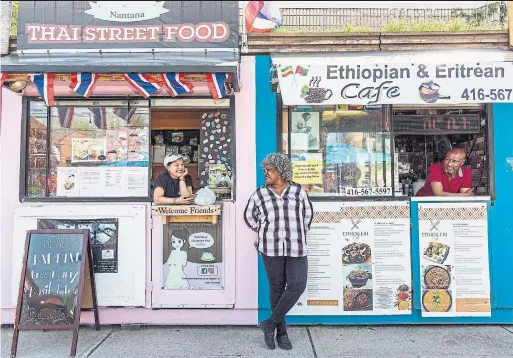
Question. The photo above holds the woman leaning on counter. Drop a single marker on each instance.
(174, 186)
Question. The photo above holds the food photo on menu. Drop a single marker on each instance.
(437, 288)
(358, 276)
(357, 269)
(356, 253)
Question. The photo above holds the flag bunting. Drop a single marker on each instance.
(99, 117)
(125, 113)
(217, 84)
(83, 83)
(142, 83)
(65, 116)
(175, 83)
(44, 84)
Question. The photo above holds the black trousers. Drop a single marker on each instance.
(287, 281)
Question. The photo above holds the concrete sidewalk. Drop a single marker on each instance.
(314, 341)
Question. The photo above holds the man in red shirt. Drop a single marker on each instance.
(449, 178)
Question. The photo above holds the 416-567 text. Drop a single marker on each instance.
(480, 94)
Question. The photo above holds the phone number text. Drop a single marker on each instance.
(480, 94)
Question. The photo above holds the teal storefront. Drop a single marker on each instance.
(496, 196)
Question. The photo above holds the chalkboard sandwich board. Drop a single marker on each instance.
(57, 271)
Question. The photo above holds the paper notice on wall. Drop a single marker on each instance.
(307, 172)
(102, 181)
(359, 260)
(453, 242)
(136, 181)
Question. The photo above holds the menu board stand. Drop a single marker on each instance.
(52, 297)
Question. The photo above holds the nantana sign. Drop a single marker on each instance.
(127, 24)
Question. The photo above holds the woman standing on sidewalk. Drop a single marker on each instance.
(280, 212)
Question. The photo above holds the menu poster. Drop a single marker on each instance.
(359, 260)
(455, 277)
(87, 150)
(103, 236)
(193, 257)
(117, 145)
(102, 181)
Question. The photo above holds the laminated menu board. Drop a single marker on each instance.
(103, 234)
(359, 260)
(216, 149)
(453, 243)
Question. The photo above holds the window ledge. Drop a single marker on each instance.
(450, 198)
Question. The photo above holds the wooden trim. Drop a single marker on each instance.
(386, 41)
(185, 210)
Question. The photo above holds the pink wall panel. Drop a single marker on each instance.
(246, 277)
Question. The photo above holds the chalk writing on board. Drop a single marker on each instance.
(51, 279)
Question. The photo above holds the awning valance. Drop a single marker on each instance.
(396, 77)
(110, 62)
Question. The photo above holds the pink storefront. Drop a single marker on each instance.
(89, 161)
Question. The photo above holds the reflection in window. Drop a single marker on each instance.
(37, 150)
(95, 152)
(335, 149)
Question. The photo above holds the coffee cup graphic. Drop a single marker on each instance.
(428, 92)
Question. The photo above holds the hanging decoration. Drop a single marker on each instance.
(142, 83)
(83, 83)
(65, 116)
(125, 113)
(217, 84)
(176, 84)
(99, 117)
(44, 84)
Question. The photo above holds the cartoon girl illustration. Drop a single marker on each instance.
(177, 261)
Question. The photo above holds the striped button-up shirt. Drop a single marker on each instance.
(281, 221)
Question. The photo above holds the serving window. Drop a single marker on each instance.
(86, 149)
(382, 151)
(201, 130)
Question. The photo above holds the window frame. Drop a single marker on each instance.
(23, 197)
(387, 111)
(23, 187)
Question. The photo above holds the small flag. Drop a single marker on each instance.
(302, 71)
(262, 16)
(125, 113)
(286, 71)
(44, 84)
(3, 76)
(217, 84)
(99, 117)
(83, 83)
(142, 83)
(175, 83)
(65, 116)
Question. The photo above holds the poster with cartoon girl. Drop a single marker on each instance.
(176, 262)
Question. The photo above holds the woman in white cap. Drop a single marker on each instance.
(174, 186)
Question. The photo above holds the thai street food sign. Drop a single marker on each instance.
(104, 25)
